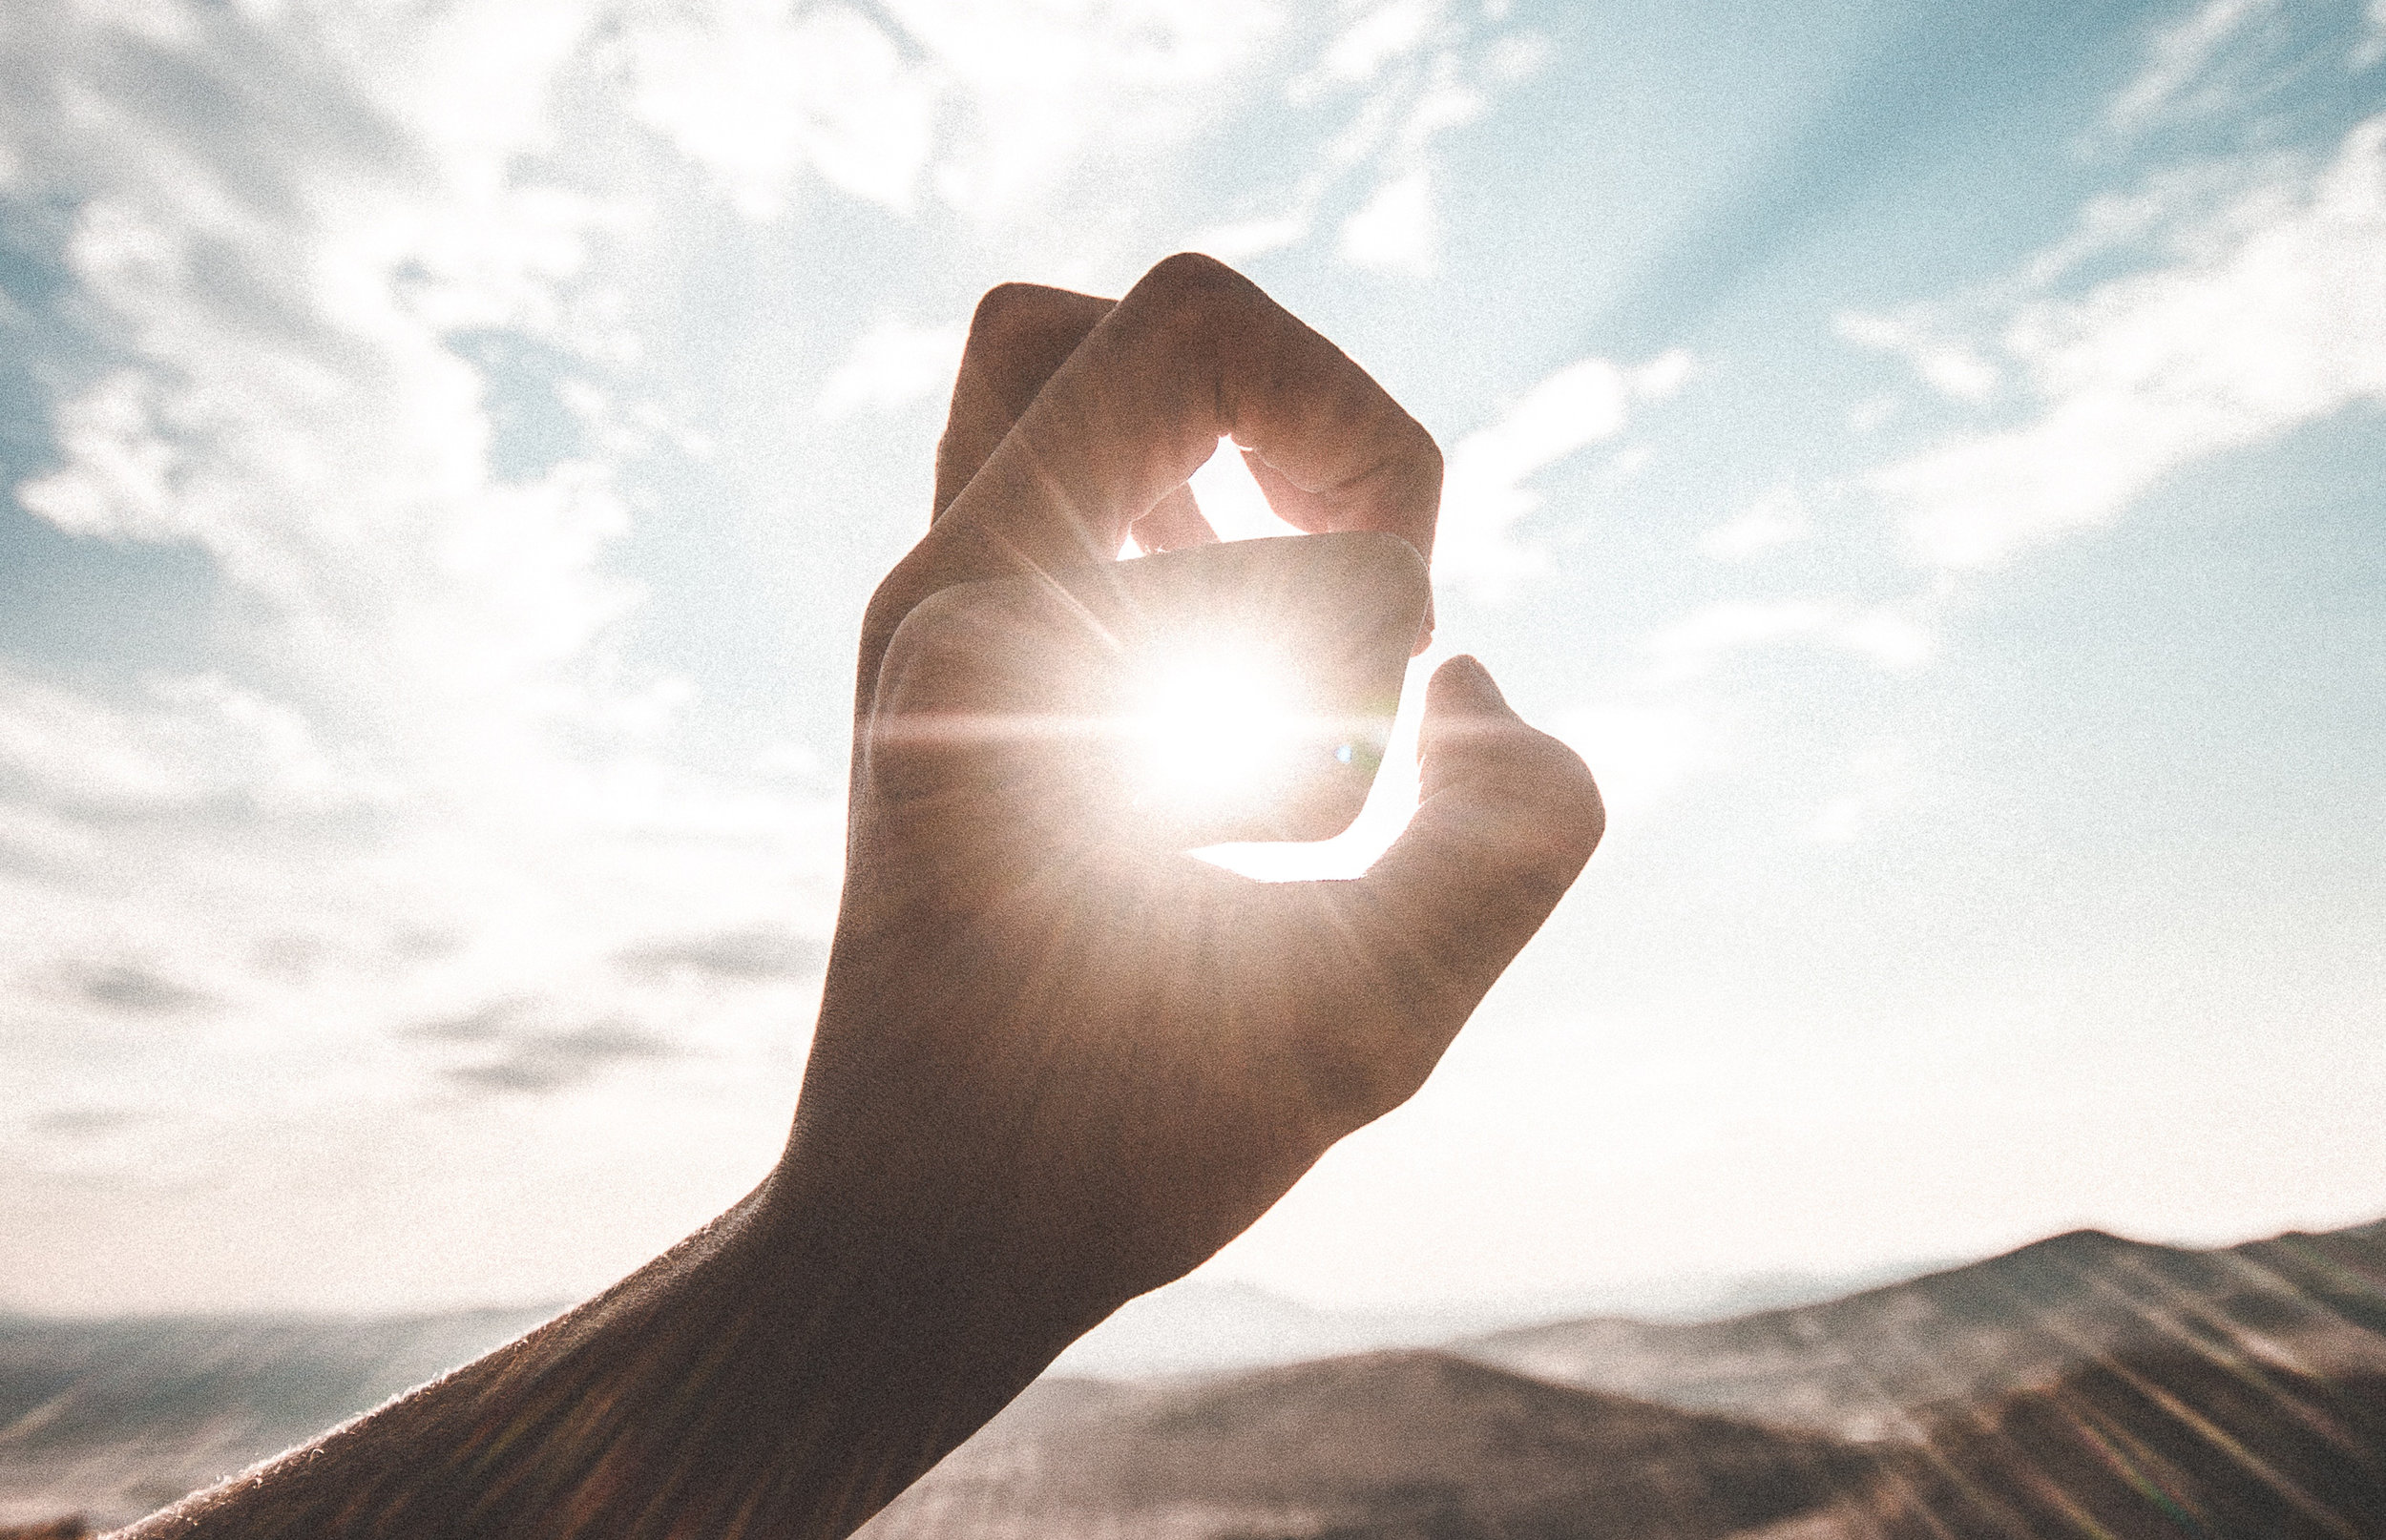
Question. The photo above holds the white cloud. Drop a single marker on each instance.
(1417, 77)
(423, 778)
(759, 92)
(1880, 774)
(1869, 416)
(1778, 518)
(1668, 724)
(474, 81)
(1397, 229)
(1837, 821)
(893, 366)
(1394, 232)
(1250, 237)
(2180, 57)
(1383, 33)
(424, 783)
(995, 109)
(191, 741)
(1949, 366)
(1518, 56)
(1485, 492)
(2371, 47)
(2269, 321)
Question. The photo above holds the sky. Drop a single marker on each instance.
(1927, 460)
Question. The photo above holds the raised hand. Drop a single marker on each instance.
(1111, 1060)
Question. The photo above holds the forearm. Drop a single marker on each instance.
(782, 1372)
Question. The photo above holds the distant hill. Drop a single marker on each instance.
(1869, 1364)
(2180, 1445)
(2084, 1386)
(116, 1418)
(1199, 1326)
(1409, 1442)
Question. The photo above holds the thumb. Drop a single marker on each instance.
(1494, 794)
(1506, 817)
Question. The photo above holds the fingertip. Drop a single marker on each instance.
(1464, 685)
(1525, 788)
(1462, 702)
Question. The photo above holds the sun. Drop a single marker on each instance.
(1213, 733)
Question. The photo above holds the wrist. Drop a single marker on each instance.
(954, 1290)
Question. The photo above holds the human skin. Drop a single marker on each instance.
(1054, 1069)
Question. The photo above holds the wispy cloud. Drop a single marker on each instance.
(1780, 517)
(1405, 71)
(761, 95)
(1380, 34)
(420, 774)
(2272, 318)
(2370, 50)
(1394, 230)
(893, 365)
(1878, 777)
(760, 954)
(543, 1062)
(1487, 491)
(2180, 60)
(1948, 365)
(1642, 750)
(129, 989)
(986, 109)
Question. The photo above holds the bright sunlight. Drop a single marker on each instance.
(1217, 732)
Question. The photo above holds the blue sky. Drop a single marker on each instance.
(1927, 464)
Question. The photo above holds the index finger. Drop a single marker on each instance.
(1193, 353)
(1019, 336)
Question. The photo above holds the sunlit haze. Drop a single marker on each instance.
(1925, 459)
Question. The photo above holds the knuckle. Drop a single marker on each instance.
(1427, 455)
(1420, 473)
(922, 639)
(1194, 272)
(1188, 292)
(1002, 308)
(1009, 314)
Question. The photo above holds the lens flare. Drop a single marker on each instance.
(1214, 731)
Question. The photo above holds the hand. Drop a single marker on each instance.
(1084, 1065)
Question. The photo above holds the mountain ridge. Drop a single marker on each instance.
(1804, 1422)
(1866, 1365)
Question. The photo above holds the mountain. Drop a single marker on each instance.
(2171, 1446)
(116, 1418)
(1394, 1443)
(1195, 1326)
(2083, 1385)
(1870, 1366)
(1198, 1325)
(1425, 1446)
